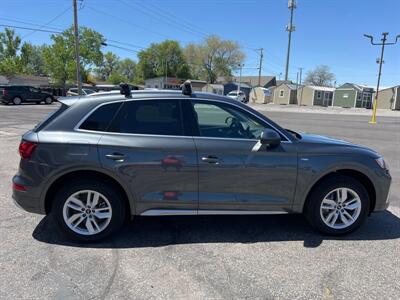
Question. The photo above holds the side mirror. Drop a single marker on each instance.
(270, 138)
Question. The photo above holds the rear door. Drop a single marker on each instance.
(146, 147)
(236, 173)
(33, 94)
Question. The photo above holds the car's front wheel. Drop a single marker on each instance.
(88, 211)
(48, 100)
(338, 205)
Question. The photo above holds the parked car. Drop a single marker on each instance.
(240, 96)
(157, 153)
(18, 94)
(74, 92)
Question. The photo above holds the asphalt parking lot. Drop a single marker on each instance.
(253, 257)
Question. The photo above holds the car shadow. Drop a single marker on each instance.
(166, 231)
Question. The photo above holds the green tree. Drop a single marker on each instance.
(109, 65)
(116, 78)
(162, 59)
(10, 62)
(60, 56)
(32, 59)
(214, 57)
(127, 68)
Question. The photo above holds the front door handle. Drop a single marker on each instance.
(116, 156)
(211, 159)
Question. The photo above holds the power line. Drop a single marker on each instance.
(126, 21)
(49, 22)
(29, 28)
(155, 15)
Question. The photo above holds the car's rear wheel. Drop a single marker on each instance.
(338, 205)
(88, 211)
(48, 100)
(17, 100)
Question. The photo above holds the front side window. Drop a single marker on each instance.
(100, 119)
(33, 90)
(225, 121)
(152, 117)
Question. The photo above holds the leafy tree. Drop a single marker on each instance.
(116, 78)
(320, 76)
(127, 68)
(214, 57)
(60, 56)
(32, 59)
(162, 59)
(9, 46)
(109, 66)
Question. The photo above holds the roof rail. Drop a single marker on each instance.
(187, 88)
(125, 90)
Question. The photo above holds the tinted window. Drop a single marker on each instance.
(225, 121)
(161, 117)
(101, 117)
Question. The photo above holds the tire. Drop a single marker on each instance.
(108, 196)
(17, 100)
(48, 100)
(38, 102)
(331, 217)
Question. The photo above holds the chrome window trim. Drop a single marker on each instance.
(76, 127)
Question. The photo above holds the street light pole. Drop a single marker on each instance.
(78, 73)
(290, 28)
(383, 44)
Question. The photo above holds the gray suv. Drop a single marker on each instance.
(95, 162)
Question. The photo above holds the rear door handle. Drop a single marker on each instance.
(210, 159)
(116, 156)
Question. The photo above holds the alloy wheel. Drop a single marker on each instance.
(340, 208)
(87, 212)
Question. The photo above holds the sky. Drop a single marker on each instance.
(328, 32)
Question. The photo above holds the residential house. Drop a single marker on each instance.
(389, 98)
(197, 85)
(213, 88)
(286, 93)
(311, 95)
(353, 95)
(170, 83)
(32, 80)
(260, 95)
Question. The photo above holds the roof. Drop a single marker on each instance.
(291, 86)
(253, 80)
(320, 88)
(389, 88)
(358, 87)
(242, 84)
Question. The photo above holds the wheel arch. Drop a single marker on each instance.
(92, 174)
(360, 176)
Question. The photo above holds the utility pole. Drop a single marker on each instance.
(78, 73)
(260, 66)
(290, 28)
(240, 79)
(383, 44)
(301, 72)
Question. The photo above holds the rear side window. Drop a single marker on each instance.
(101, 117)
(159, 117)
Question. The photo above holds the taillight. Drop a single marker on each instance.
(5, 92)
(19, 187)
(26, 149)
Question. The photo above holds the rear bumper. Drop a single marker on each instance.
(26, 200)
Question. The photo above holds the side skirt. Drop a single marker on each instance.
(172, 212)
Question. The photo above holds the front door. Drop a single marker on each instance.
(34, 94)
(146, 146)
(236, 173)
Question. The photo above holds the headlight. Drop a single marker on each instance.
(381, 162)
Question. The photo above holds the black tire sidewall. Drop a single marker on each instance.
(113, 196)
(312, 210)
